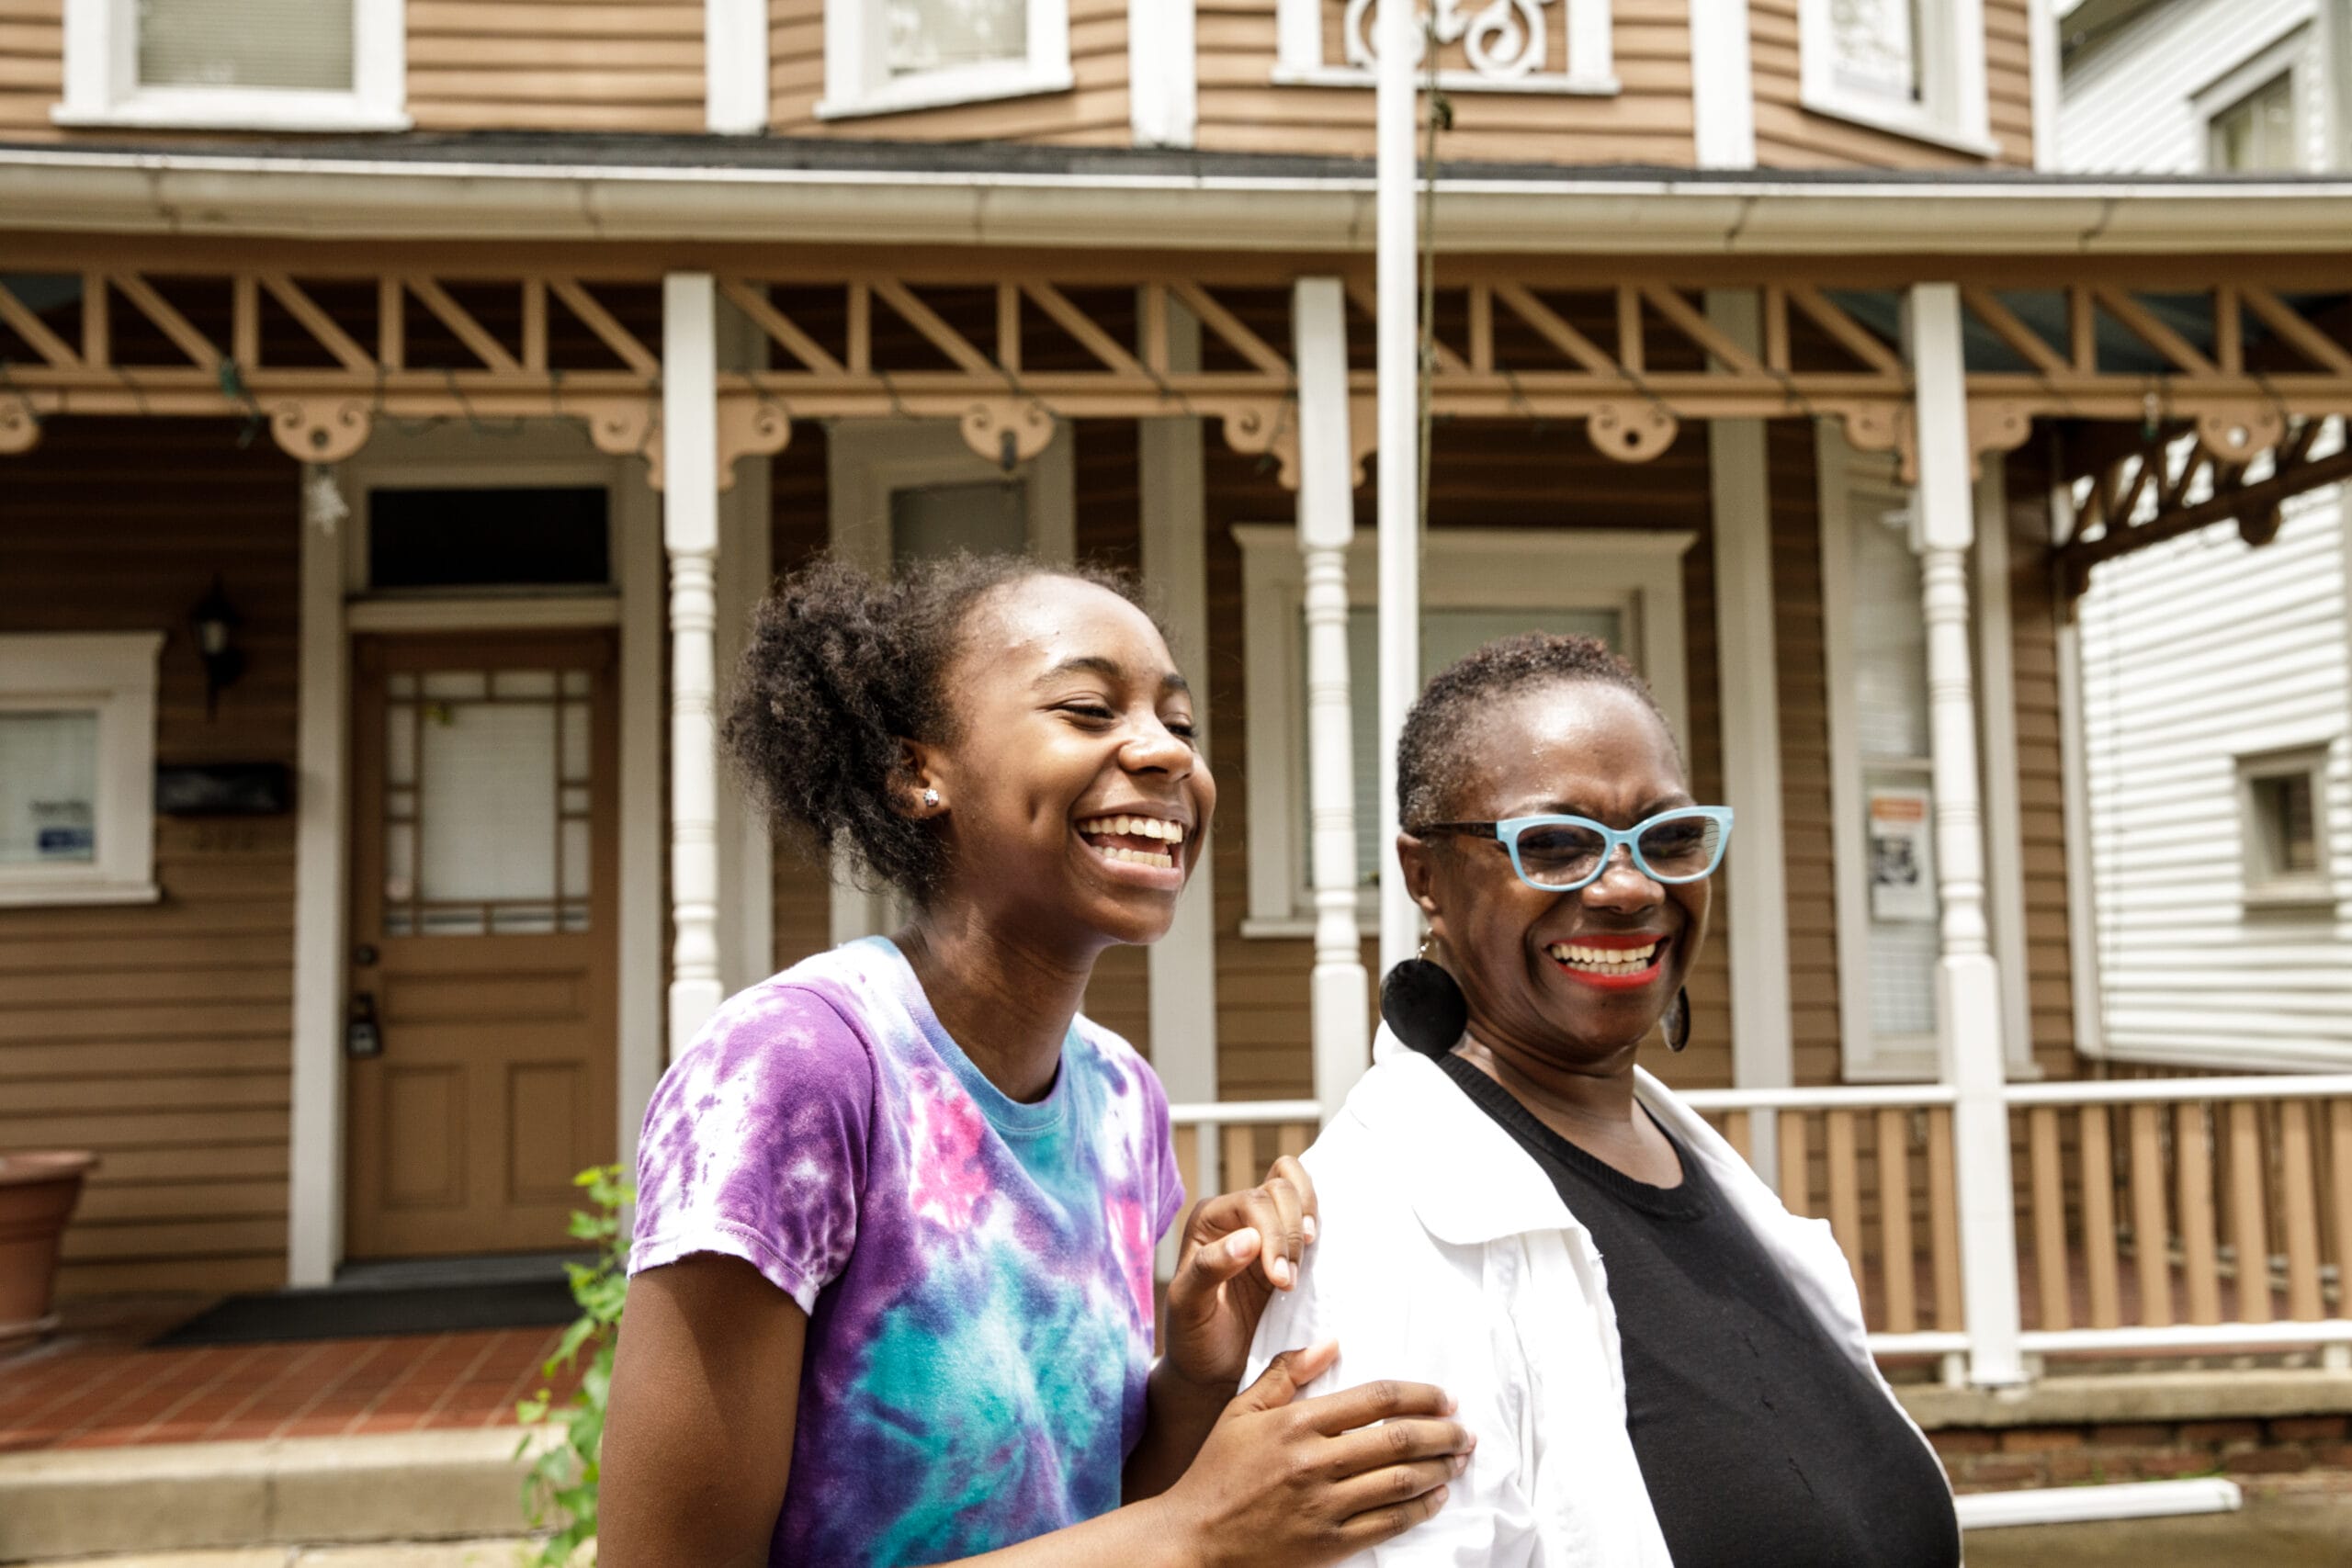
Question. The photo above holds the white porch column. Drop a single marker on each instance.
(690, 537)
(1399, 343)
(1968, 980)
(1341, 1025)
(1182, 1003)
(1763, 1053)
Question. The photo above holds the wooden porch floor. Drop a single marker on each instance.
(102, 1388)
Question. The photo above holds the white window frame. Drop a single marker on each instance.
(2264, 887)
(1953, 112)
(2288, 55)
(115, 673)
(1589, 66)
(102, 80)
(1638, 573)
(858, 80)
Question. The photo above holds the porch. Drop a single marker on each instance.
(1700, 403)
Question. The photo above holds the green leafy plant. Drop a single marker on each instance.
(560, 1487)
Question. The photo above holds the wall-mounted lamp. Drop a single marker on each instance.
(216, 621)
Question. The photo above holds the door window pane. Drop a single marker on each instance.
(1877, 45)
(2258, 132)
(1446, 635)
(301, 44)
(928, 522)
(931, 35)
(49, 788)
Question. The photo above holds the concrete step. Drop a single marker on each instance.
(286, 1493)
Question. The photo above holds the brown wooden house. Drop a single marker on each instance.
(492, 358)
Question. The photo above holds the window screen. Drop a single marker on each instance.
(301, 44)
(933, 35)
(1877, 44)
(49, 788)
(505, 538)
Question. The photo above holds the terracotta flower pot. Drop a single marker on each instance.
(37, 1196)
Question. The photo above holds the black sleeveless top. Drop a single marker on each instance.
(1761, 1442)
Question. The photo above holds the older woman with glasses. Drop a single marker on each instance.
(1661, 1365)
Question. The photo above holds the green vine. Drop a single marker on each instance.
(560, 1487)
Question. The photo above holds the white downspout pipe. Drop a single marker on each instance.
(1339, 997)
(1399, 607)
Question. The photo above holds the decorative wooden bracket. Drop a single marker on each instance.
(752, 427)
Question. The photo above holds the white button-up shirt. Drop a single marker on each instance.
(1444, 1255)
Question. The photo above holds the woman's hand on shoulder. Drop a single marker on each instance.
(1238, 1249)
(1310, 1481)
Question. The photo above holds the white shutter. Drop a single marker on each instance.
(301, 44)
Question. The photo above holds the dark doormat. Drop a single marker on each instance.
(366, 1314)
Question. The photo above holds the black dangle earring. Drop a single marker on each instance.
(1677, 1022)
(1422, 1005)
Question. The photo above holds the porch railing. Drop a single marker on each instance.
(2165, 1216)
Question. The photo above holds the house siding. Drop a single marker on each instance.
(32, 66)
(1790, 136)
(2194, 652)
(609, 65)
(2130, 104)
(160, 1035)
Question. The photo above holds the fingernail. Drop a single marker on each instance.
(1450, 1406)
(1461, 1463)
(1307, 1224)
(1241, 1244)
(1440, 1494)
(1280, 1269)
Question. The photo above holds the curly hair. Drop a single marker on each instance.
(1432, 746)
(843, 667)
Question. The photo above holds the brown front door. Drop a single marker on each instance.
(481, 1042)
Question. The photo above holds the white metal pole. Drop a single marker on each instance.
(1339, 998)
(690, 536)
(1399, 609)
(1968, 979)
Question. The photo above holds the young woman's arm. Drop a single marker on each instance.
(699, 1446)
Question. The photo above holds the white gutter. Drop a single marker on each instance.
(320, 198)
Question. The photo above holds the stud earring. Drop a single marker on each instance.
(930, 799)
(1677, 1022)
(1423, 1005)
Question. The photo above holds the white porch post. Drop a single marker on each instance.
(1174, 525)
(1763, 1053)
(1342, 1026)
(690, 536)
(1399, 344)
(1968, 980)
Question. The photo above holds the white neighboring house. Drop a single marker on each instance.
(2217, 677)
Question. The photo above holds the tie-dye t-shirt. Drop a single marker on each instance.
(977, 1272)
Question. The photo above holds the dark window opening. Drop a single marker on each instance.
(515, 536)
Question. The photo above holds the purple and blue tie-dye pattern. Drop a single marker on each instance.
(977, 1272)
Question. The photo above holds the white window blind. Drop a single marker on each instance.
(933, 35)
(1877, 46)
(2257, 133)
(299, 44)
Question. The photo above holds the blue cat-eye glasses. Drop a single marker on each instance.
(1560, 854)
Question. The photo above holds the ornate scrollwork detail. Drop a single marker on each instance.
(747, 428)
(1503, 39)
(623, 427)
(1270, 429)
(2234, 434)
(321, 430)
(1008, 431)
(19, 426)
(1632, 434)
(1997, 427)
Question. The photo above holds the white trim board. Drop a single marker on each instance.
(114, 676)
(1637, 572)
(549, 453)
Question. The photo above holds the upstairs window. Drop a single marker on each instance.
(884, 56)
(2282, 803)
(2258, 132)
(1912, 67)
(238, 64)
